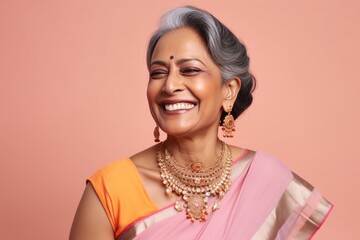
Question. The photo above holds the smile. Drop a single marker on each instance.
(179, 106)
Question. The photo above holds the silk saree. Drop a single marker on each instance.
(266, 201)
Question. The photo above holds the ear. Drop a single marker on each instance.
(231, 90)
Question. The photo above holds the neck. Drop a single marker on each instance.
(188, 150)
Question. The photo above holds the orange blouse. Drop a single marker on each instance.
(122, 194)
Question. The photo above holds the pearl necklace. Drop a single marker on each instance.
(194, 183)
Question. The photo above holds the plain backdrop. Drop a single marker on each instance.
(73, 98)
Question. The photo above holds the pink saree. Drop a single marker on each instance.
(266, 201)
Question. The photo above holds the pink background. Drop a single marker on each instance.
(72, 98)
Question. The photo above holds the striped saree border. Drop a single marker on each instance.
(146, 222)
(298, 215)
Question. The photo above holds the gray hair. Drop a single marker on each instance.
(228, 53)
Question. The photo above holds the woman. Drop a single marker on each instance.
(193, 185)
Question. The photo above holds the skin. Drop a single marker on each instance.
(189, 76)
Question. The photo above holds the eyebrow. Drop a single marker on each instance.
(178, 62)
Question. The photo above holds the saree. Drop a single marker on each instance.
(265, 201)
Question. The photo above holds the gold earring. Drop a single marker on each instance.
(228, 125)
(156, 134)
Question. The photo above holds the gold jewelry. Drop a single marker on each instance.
(194, 174)
(156, 134)
(228, 125)
(196, 186)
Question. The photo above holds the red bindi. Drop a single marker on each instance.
(171, 57)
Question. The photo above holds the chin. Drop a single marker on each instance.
(177, 131)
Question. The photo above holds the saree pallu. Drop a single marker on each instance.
(266, 201)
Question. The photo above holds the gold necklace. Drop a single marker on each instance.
(196, 185)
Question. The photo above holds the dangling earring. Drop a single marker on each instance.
(228, 125)
(156, 134)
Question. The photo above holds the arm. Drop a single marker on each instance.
(90, 221)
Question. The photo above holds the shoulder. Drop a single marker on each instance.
(113, 169)
(113, 176)
(258, 156)
(265, 167)
(122, 172)
(269, 161)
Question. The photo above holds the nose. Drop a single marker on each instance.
(173, 83)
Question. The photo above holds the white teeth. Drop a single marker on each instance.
(178, 106)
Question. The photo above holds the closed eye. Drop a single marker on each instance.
(158, 74)
(190, 71)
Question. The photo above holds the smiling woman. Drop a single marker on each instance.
(194, 185)
(190, 79)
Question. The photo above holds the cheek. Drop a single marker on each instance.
(208, 89)
(151, 96)
(151, 91)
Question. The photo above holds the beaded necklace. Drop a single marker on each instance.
(195, 183)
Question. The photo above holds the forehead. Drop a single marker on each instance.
(181, 43)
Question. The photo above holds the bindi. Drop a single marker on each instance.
(171, 57)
